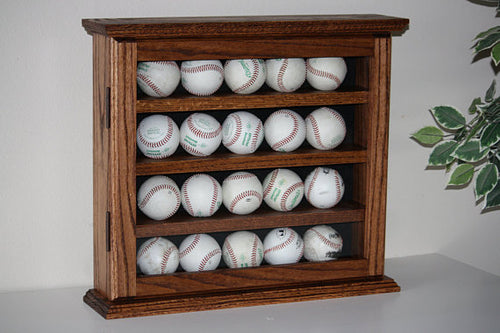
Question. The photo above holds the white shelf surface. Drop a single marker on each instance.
(438, 295)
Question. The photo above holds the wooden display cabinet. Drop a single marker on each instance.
(363, 99)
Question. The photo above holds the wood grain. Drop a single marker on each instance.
(183, 224)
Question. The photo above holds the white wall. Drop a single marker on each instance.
(45, 128)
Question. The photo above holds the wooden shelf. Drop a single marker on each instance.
(182, 162)
(183, 224)
(181, 101)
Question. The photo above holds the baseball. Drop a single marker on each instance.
(157, 136)
(326, 73)
(158, 78)
(242, 193)
(157, 256)
(285, 75)
(283, 246)
(245, 76)
(199, 252)
(158, 197)
(200, 134)
(242, 132)
(242, 249)
(324, 187)
(284, 130)
(325, 128)
(201, 195)
(202, 77)
(322, 243)
(283, 190)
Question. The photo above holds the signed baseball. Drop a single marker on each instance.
(325, 128)
(324, 187)
(202, 77)
(283, 190)
(157, 256)
(157, 136)
(158, 78)
(326, 73)
(158, 197)
(245, 76)
(241, 193)
(200, 134)
(285, 75)
(322, 243)
(283, 246)
(242, 249)
(242, 132)
(199, 252)
(201, 195)
(284, 130)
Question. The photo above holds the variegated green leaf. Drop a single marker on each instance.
(490, 135)
(487, 179)
(495, 54)
(474, 104)
(487, 42)
(448, 117)
(442, 154)
(462, 175)
(490, 93)
(487, 32)
(428, 135)
(470, 151)
(493, 198)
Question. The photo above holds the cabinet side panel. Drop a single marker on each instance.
(376, 168)
(122, 168)
(100, 161)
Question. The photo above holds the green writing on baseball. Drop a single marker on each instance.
(246, 139)
(275, 195)
(190, 141)
(297, 195)
(248, 73)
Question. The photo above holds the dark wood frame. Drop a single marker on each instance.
(118, 44)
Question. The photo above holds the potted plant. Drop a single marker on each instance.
(470, 148)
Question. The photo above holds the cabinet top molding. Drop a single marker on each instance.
(242, 26)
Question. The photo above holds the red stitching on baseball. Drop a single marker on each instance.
(287, 193)
(241, 176)
(207, 258)
(213, 203)
(315, 128)
(281, 74)
(186, 197)
(293, 133)
(337, 116)
(164, 259)
(326, 241)
(338, 188)
(252, 79)
(157, 188)
(191, 150)
(200, 133)
(243, 195)
(270, 185)
(255, 137)
(238, 129)
(191, 246)
(281, 246)
(150, 84)
(230, 251)
(203, 68)
(147, 247)
(313, 181)
(254, 251)
(323, 74)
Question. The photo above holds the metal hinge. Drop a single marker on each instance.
(108, 232)
(108, 107)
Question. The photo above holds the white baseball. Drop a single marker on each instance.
(157, 136)
(283, 246)
(283, 190)
(326, 73)
(245, 76)
(285, 75)
(242, 132)
(322, 243)
(201, 195)
(200, 134)
(324, 187)
(158, 78)
(199, 252)
(158, 197)
(242, 193)
(157, 256)
(325, 128)
(242, 249)
(284, 130)
(202, 77)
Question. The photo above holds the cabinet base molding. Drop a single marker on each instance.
(147, 306)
